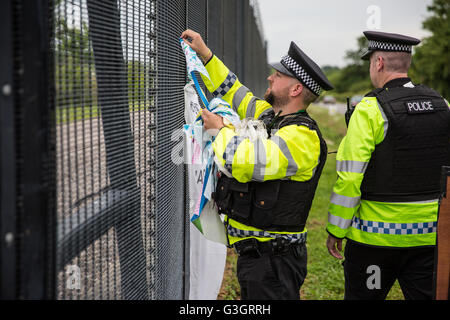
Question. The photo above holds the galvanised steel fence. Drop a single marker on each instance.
(91, 204)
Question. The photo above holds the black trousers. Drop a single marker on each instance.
(272, 276)
(370, 271)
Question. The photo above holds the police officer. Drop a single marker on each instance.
(267, 200)
(385, 200)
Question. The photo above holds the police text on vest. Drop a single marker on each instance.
(419, 106)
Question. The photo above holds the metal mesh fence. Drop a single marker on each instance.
(102, 124)
(115, 201)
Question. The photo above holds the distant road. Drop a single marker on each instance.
(334, 107)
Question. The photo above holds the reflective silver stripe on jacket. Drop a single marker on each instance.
(338, 221)
(259, 167)
(394, 228)
(291, 237)
(282, 145)
(385, 120)
(251, 108)
(344, 201)
(239, 95)
(260, 164)
(351, 166)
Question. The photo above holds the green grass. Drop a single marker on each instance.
(325, 279)
(69, 114)
(230, 289)
(64, 115)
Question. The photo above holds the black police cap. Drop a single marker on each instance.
(383, 41)
(298, 65)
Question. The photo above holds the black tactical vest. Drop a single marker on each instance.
(406, 166)
(274, 205)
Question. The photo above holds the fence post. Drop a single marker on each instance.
(7, 157)
(442, 252)
(27, 152)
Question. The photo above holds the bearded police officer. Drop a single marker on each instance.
(267, 201)
(385, 200)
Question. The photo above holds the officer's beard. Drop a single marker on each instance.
(275, 100)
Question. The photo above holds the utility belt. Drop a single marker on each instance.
(279, 246)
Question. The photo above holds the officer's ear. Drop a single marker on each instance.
(379, 62)
(296, 89)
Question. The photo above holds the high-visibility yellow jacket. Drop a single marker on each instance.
(387, 224)
(292, 152)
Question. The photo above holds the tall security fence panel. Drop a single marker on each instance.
(93, 185)
(27, 183)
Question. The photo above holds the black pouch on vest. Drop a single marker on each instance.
(264, 201)
(222, 196)
(241, 196)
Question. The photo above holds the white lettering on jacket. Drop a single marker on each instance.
(419, 106)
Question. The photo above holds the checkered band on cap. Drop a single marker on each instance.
(379, 45)
(294, 67)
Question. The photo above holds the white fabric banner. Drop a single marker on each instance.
(207, 258)
(207, 264)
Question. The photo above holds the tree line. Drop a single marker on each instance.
(430, 62)
(76, 83)
(75, 69)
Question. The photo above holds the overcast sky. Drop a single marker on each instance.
(326, 29)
